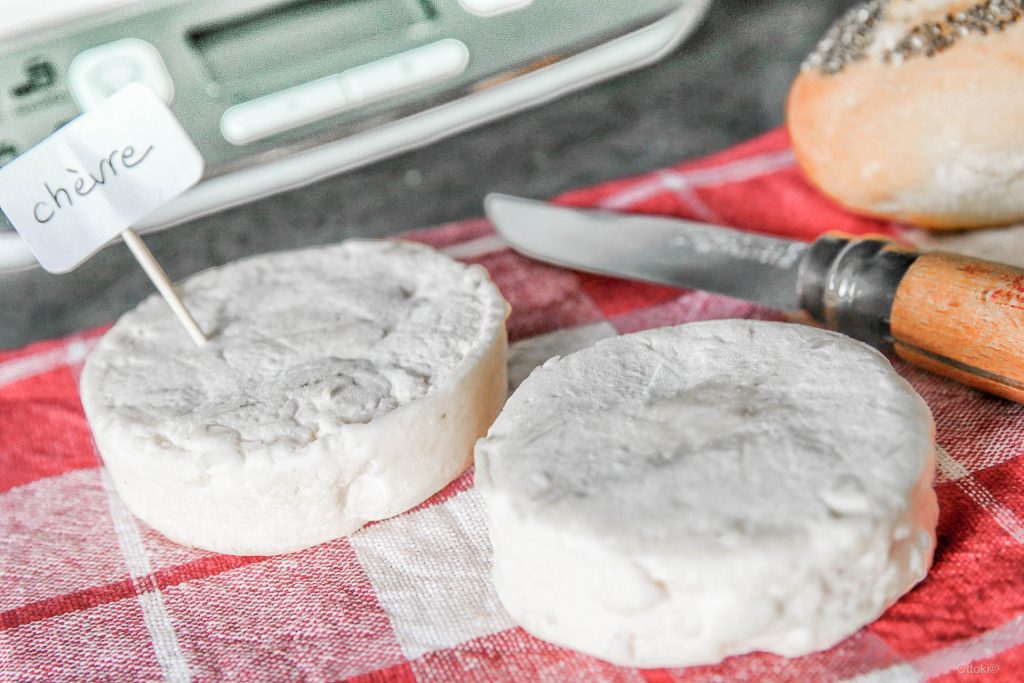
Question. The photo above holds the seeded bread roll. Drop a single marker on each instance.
(913, 110)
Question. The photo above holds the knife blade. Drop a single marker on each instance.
(957, 316)
(670, 251)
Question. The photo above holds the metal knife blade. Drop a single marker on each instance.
(652, 248)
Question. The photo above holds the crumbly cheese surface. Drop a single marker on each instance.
(308, 351)
(678, 495)
(300, 343)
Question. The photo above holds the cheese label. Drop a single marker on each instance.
(101, 173)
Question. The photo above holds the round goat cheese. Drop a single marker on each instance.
(679, 495)
(340, 385)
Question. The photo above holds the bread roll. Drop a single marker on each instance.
(340, 385)
(679, 495)
(914, 110)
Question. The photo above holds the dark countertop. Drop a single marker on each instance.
(728, 82)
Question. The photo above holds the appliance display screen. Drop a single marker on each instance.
(300, 32)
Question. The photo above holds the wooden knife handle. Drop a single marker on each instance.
(963, 318)
(953, 315)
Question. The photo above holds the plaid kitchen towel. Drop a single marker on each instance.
(87, 592)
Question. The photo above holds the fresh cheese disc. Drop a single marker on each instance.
(1002, 245)
(340, 385)
(679, 495)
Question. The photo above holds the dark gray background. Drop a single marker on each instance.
(727, 83)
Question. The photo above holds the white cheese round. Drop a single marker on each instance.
(340, 385)
(679, 495)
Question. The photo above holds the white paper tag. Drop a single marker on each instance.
(101, 173)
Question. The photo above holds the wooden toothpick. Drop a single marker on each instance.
(163, 285)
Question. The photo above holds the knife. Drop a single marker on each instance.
(953, 315)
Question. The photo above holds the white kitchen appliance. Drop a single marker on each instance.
(280, 93)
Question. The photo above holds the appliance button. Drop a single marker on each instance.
(281, 111)
(8, 153)
(99, 72)
(489, 8)
(417, 67)
(39, 75)
(309, 102)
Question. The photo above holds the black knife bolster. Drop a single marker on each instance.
(848, 284)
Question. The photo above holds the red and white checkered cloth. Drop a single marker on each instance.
(87, 592)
